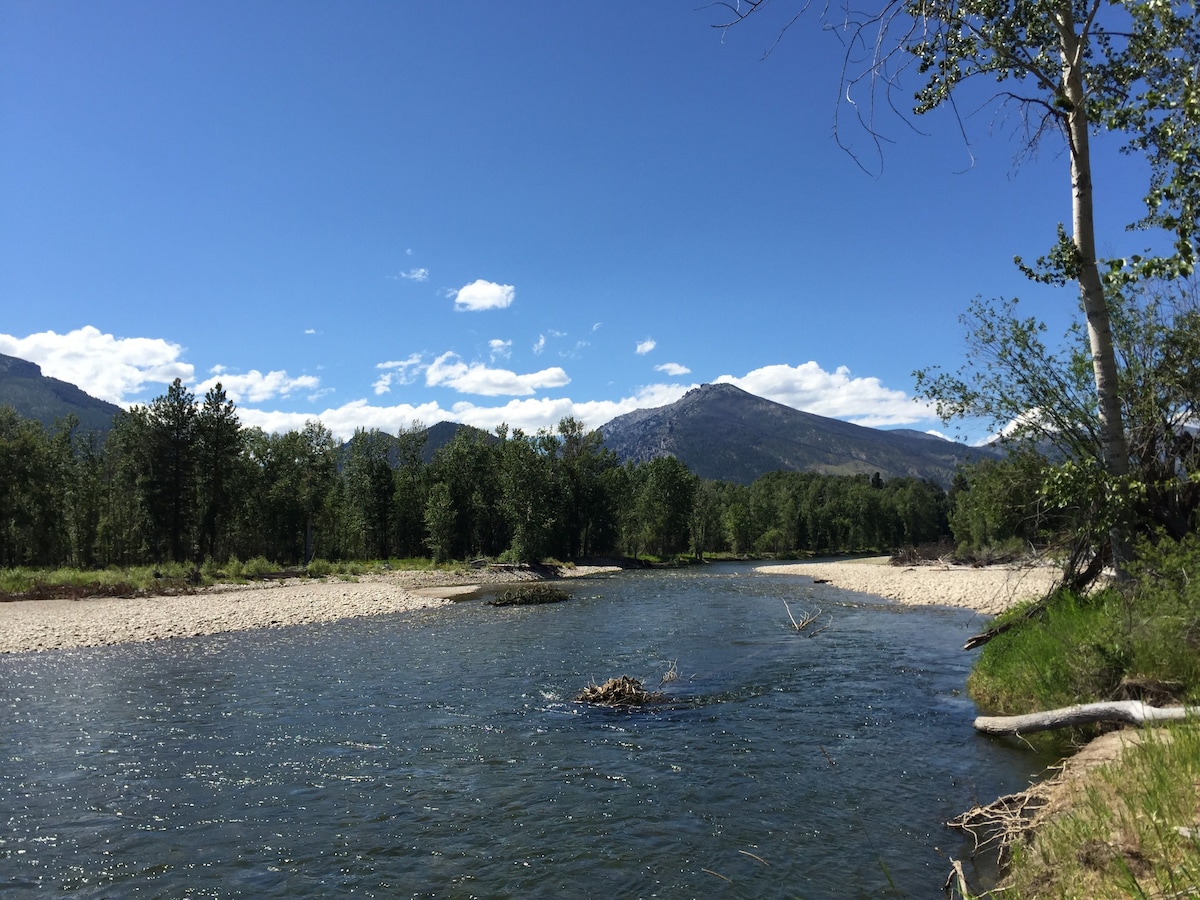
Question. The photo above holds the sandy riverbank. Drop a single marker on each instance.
(989, 590)
(55, 624)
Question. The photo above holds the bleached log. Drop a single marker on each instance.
(1129, 712)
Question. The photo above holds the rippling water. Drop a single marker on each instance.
(439, 753)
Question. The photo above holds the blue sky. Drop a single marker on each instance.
(372, 213)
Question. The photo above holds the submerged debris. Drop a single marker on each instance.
(528, 594)
(623, 691)
(806, 619)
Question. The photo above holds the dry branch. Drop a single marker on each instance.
(1003, 821)
(805, 620)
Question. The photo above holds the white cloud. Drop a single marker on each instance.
(110, 368)
(402, 371)
(528, 414)
(835, 394)
(255, 387)
(500, 349)
(673, 369)
(646, 346)
(421, 274)
(448, 370)
(310, 331)
(344, 420)
(482, 294)
(540, 344)
(121, 369)
(403, 365)
(808, 387)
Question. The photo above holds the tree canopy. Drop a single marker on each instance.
(1069, 69)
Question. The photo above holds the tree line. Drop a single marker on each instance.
(182, 480)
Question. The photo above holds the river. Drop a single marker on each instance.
(440, 753)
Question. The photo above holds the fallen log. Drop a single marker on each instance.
(1128, 712)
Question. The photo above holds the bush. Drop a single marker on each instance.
(258, 567)
(319, 568)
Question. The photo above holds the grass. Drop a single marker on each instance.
(113, 581)
(34, 583)
(1134, 831)
(1135, 641)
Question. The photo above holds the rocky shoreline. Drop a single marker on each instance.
(33, 625)
(990, 590)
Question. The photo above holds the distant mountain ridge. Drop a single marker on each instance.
(720, 431)
(726, 434)
(48, 400)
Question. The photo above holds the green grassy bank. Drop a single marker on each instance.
(1131, 828)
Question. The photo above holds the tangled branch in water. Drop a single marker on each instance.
(623, 691)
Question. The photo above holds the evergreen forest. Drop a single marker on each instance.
(182, 480)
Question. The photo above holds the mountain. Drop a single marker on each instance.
(48, 400)
(437, 436)
(723, 433)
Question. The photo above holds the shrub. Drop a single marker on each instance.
(258, 567)
(319, 568)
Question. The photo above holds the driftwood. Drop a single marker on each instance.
(1128, 712)
(805, 620)
(623, 691)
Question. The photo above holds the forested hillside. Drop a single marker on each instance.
(34, 396)
(182, 479)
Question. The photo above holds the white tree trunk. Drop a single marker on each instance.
(1114, 447)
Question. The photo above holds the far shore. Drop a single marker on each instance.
(33, 625)
(989, 590)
